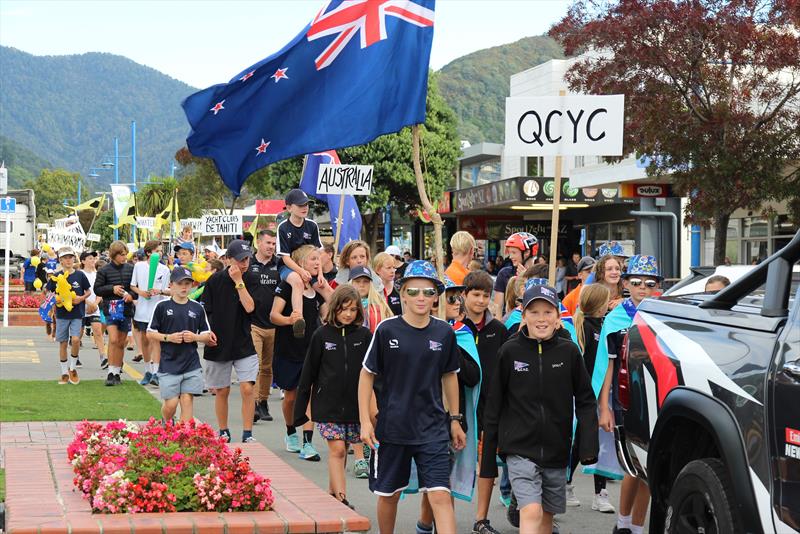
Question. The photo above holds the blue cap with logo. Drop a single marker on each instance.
(188, 245)
(296, 197)
(239, 250)
(642, 265)
(358, 272)
(535, 282)
(449, 284)
(545, 293)
(611, 248)
(421, 269)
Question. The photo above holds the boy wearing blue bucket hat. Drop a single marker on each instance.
(416, 357)
(641, 280)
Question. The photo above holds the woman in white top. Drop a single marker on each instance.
(92, 317)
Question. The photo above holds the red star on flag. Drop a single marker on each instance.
(217, 107)
(247, 76)
(262, 147)
(280, 74)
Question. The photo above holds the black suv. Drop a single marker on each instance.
(711, 390)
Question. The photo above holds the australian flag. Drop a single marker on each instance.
(351, 216)
(357, 71)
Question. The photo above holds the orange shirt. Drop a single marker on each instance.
(572, 300)
(457, 272)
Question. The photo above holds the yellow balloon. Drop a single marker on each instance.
(130, 255)
(46, 247)
(38, 282)
(35, 261)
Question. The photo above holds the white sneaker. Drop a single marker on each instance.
(572, 500)
(601, 504)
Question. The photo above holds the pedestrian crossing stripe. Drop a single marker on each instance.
(16, 342)
(19, 356)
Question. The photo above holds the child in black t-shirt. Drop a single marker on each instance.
(293, 233)
(290, 350)
(178, 324)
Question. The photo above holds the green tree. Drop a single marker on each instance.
(54, 187)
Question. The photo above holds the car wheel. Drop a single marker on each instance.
(701, 500)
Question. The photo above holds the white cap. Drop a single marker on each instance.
(393, 250)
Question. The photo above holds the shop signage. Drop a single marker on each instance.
(344, 179)
(580, 125)
(541, 229)
(541, 190)
(222, 225)
(628, 190)
(487, 195)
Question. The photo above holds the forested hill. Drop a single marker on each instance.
(67, 110)
(476, 85)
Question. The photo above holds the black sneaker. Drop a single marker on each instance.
(104, 363)
(110, 380)
(117, 380)
(262, 411)
(78, 364)
(483, 527)
(620, 530)
(512, 512)
(138, 358)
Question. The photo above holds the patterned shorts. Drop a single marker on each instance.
(347, 432)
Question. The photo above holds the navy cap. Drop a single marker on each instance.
(180, 273)
(297, 197)
(546, 293)
(359, 271)
(239, 250)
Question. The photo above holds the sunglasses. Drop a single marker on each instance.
(636, 282)
(452, 299)
(426, 291)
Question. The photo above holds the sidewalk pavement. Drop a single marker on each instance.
(27, 354)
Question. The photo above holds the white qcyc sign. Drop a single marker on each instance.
(575, 125)
(222, 224)
(145, 223)
(344, 179)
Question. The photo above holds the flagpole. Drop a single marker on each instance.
(339, 224)
(551, 275)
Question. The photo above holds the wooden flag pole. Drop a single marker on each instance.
(554, 221)
(339, 225)
(436, 219)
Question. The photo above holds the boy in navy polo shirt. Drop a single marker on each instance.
(415, 356)
(178, 324)
(293, 233)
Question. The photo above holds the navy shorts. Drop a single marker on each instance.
(390, 467)
(123, 325)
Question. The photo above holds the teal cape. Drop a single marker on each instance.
(620, 318)
(462, 476)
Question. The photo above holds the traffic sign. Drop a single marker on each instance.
(8, 205)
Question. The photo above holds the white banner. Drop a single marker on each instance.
(196, 224)
(222, 224)
(72, 236)
(95, 238)
(121, 194)
(145, 223)
(344, 179)
(575, 125)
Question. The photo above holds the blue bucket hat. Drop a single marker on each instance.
(611, 248)
(421, 269)
(531, 282)
(449, 284)
(642, 265)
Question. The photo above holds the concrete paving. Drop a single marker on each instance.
(27, 354)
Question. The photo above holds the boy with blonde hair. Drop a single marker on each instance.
(463, 245)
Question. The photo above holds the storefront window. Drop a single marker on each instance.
(534, 166)
(480, 173)
(755, 227)
(623, 231)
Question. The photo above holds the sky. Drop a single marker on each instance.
(203, 42)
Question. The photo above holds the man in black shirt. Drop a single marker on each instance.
(228, 301)
(265, 266)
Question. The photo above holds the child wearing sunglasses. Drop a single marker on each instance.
(416, 358)
(642, 280)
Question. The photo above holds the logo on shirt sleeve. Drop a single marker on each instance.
(521, 367)
(330, 346)
(435, 345)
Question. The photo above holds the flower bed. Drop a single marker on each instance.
(23, 301)
(123, 467)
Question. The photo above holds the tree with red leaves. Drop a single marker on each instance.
(712, 91)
